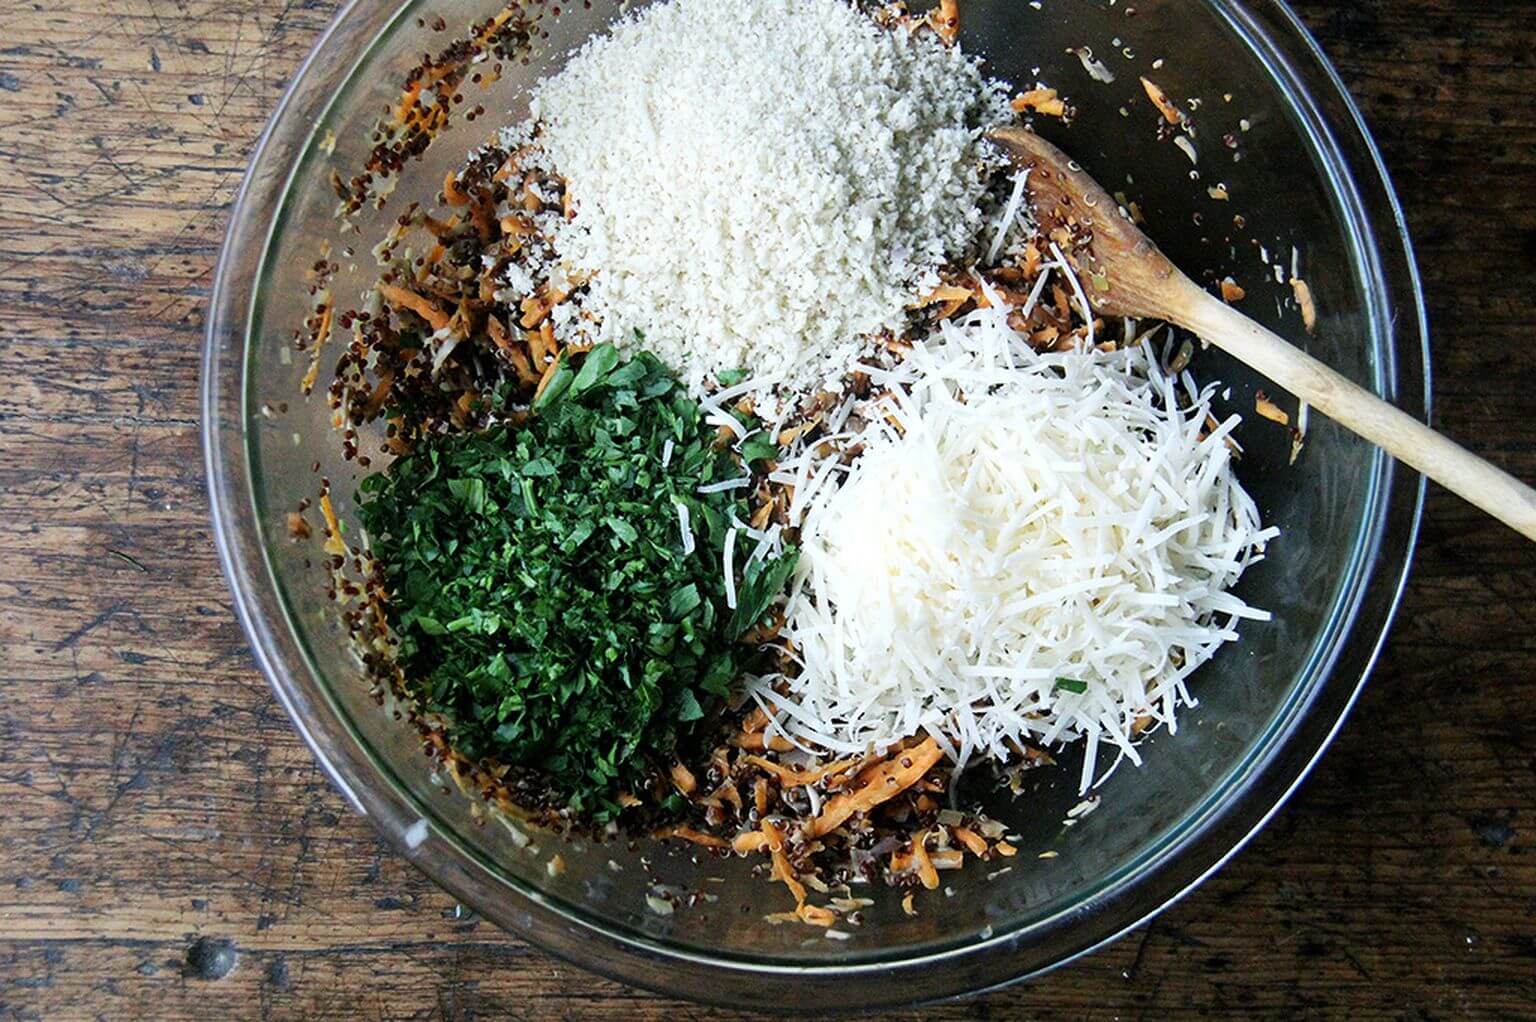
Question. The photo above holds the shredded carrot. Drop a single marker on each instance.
(1046, 102)
(945, 21)
(322, 334)
(972, 840)
(503, 341)
(1308, 304)
(698, 837)
(683, 779)
(925, 871)
(408, 100)
(520, 363)
(509, 165)
(536, 348)
(853, 776)
(1271, 411)
(439, 229)
(333, 543)
(1231, 291)
(517, 226)
(882, 782)
(307, 384)
(727, 792)
(750, 841)
(433, 255)
(424, 307)
(480, 212)
(492, 26)
(782, 870)
(1004, 849)
(947, 293)
(791, 778)
(323, 331)
(759, 742)
(815, 915)
(380, 394)
(463, 408)
(627, 800)
(452, 193)
(1160, 100)
(760, 796)
(948, 858)
(549, 374)
(538, 305)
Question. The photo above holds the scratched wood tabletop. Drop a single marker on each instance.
(159, 818)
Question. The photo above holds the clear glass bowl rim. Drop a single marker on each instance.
(1208, 840)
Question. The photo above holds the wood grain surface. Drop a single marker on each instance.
(158, 814)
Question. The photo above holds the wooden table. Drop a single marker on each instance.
(155, 802)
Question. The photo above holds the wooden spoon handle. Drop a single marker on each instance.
(1358, 410)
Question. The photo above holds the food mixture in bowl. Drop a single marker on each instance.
(754, 465)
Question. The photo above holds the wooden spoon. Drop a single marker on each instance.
(1132, 278)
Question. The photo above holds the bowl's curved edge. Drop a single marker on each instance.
(955, 972)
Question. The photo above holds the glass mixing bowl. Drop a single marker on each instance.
(1276, 129)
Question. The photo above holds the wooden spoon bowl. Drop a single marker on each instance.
(1127, 275)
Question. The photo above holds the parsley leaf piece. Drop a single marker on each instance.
(536, 583)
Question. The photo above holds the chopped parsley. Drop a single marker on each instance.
(538, 585)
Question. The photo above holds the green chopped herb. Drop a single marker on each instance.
(1072, 685)
(537, 582)
(759, 447)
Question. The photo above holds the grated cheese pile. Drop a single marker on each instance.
(1040, 524)
(760, 183)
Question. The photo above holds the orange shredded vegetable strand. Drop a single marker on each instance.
(760, 743)
(427, 309)
(750, 841)
(1308, 304)
(883, 782)
(972, 840)
(698, 837)
(925, 871)
(333, 543)
(683, 779)
(815, 915)
(782, 870)
(1160, 100)
(791, 778)
(549, 374)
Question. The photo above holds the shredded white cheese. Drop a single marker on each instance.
(1040, 524)
(725, 484)
(1010, 213)
(728, 567)
(762, 183)
(684, 527)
